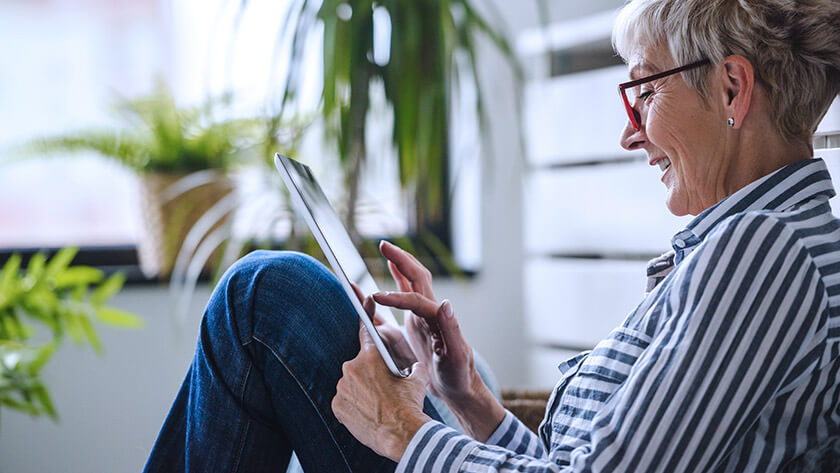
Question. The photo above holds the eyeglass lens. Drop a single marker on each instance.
(633, 97)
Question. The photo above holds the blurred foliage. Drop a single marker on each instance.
(158, 136)
(61, 301)
(432, 51)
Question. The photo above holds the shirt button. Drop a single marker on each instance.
(679, 243)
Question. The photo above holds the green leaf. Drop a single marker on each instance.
(107, 289)
(78, 275)
(41, 302)
(118, 317)
(10, 272)
(21, 406)
(74, 328)
(12, 327)
(36, 265)
(40, 393)
(90, 333)
(43, 355)
(79, 292)
(61, 260)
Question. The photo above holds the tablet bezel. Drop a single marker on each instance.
(285, 166)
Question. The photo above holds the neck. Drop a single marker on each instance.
(758, 153)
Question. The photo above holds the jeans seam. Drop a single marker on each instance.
(240, 450)
(306, 393)
(238, 458)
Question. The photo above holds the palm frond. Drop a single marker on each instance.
(159, 136)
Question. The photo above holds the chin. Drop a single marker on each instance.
(676, 206)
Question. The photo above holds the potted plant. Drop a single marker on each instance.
(182, 156)
(431, 51)
(49, 301)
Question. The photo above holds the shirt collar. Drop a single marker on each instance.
(784, 188)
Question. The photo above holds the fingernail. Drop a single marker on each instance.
(447, 309)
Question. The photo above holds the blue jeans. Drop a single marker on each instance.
(275, 333)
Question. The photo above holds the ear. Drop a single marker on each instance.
(738, 79)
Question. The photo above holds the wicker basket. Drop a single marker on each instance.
(527, 406)
(166, 221)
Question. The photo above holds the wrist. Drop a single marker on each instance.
(400, 437)
(479, 412)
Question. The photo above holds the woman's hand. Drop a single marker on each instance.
(391, 334)
(436, 340)
(381, 410)
(433, 332)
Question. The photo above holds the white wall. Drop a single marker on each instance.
(112, 406)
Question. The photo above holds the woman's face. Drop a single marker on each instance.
(681, 136)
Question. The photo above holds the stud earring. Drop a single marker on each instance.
(730, 122)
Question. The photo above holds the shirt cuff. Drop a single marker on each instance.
(436, 448)
(504, 432)
(513, 435)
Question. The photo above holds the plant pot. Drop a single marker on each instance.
(169, 215)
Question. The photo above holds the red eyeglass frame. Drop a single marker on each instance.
(634, 115)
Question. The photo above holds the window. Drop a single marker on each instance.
(74, 59)
(67, 61)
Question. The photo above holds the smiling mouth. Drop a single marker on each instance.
(664, 163)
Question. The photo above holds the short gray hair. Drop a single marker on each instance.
(794, 47)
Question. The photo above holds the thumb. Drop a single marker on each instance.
(449, 328)
(365, 340)
(420, 373)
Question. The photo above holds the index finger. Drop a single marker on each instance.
(417, 274)
(417, 303)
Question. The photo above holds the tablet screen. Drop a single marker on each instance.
(335, 242)
(349, 260)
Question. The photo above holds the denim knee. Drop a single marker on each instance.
(274, 260)
(268, 283)
(259, 265)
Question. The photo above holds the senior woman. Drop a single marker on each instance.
(730, 363)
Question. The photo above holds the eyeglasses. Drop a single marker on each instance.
(631, 91)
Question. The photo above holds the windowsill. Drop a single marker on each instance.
(124, 258)
(110, 259)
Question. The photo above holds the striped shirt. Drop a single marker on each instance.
(729, 364)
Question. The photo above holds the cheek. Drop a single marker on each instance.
(670, 128)
(661, 129)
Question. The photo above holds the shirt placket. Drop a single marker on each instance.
(545, 428)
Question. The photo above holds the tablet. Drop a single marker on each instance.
(346, 262)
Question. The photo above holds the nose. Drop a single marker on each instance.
(632, 139)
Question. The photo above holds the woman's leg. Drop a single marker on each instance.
(274, 336)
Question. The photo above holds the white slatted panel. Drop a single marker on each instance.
(576, 117)
(604, 209)
(831, 121)
(832, 159)
(577, 302)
